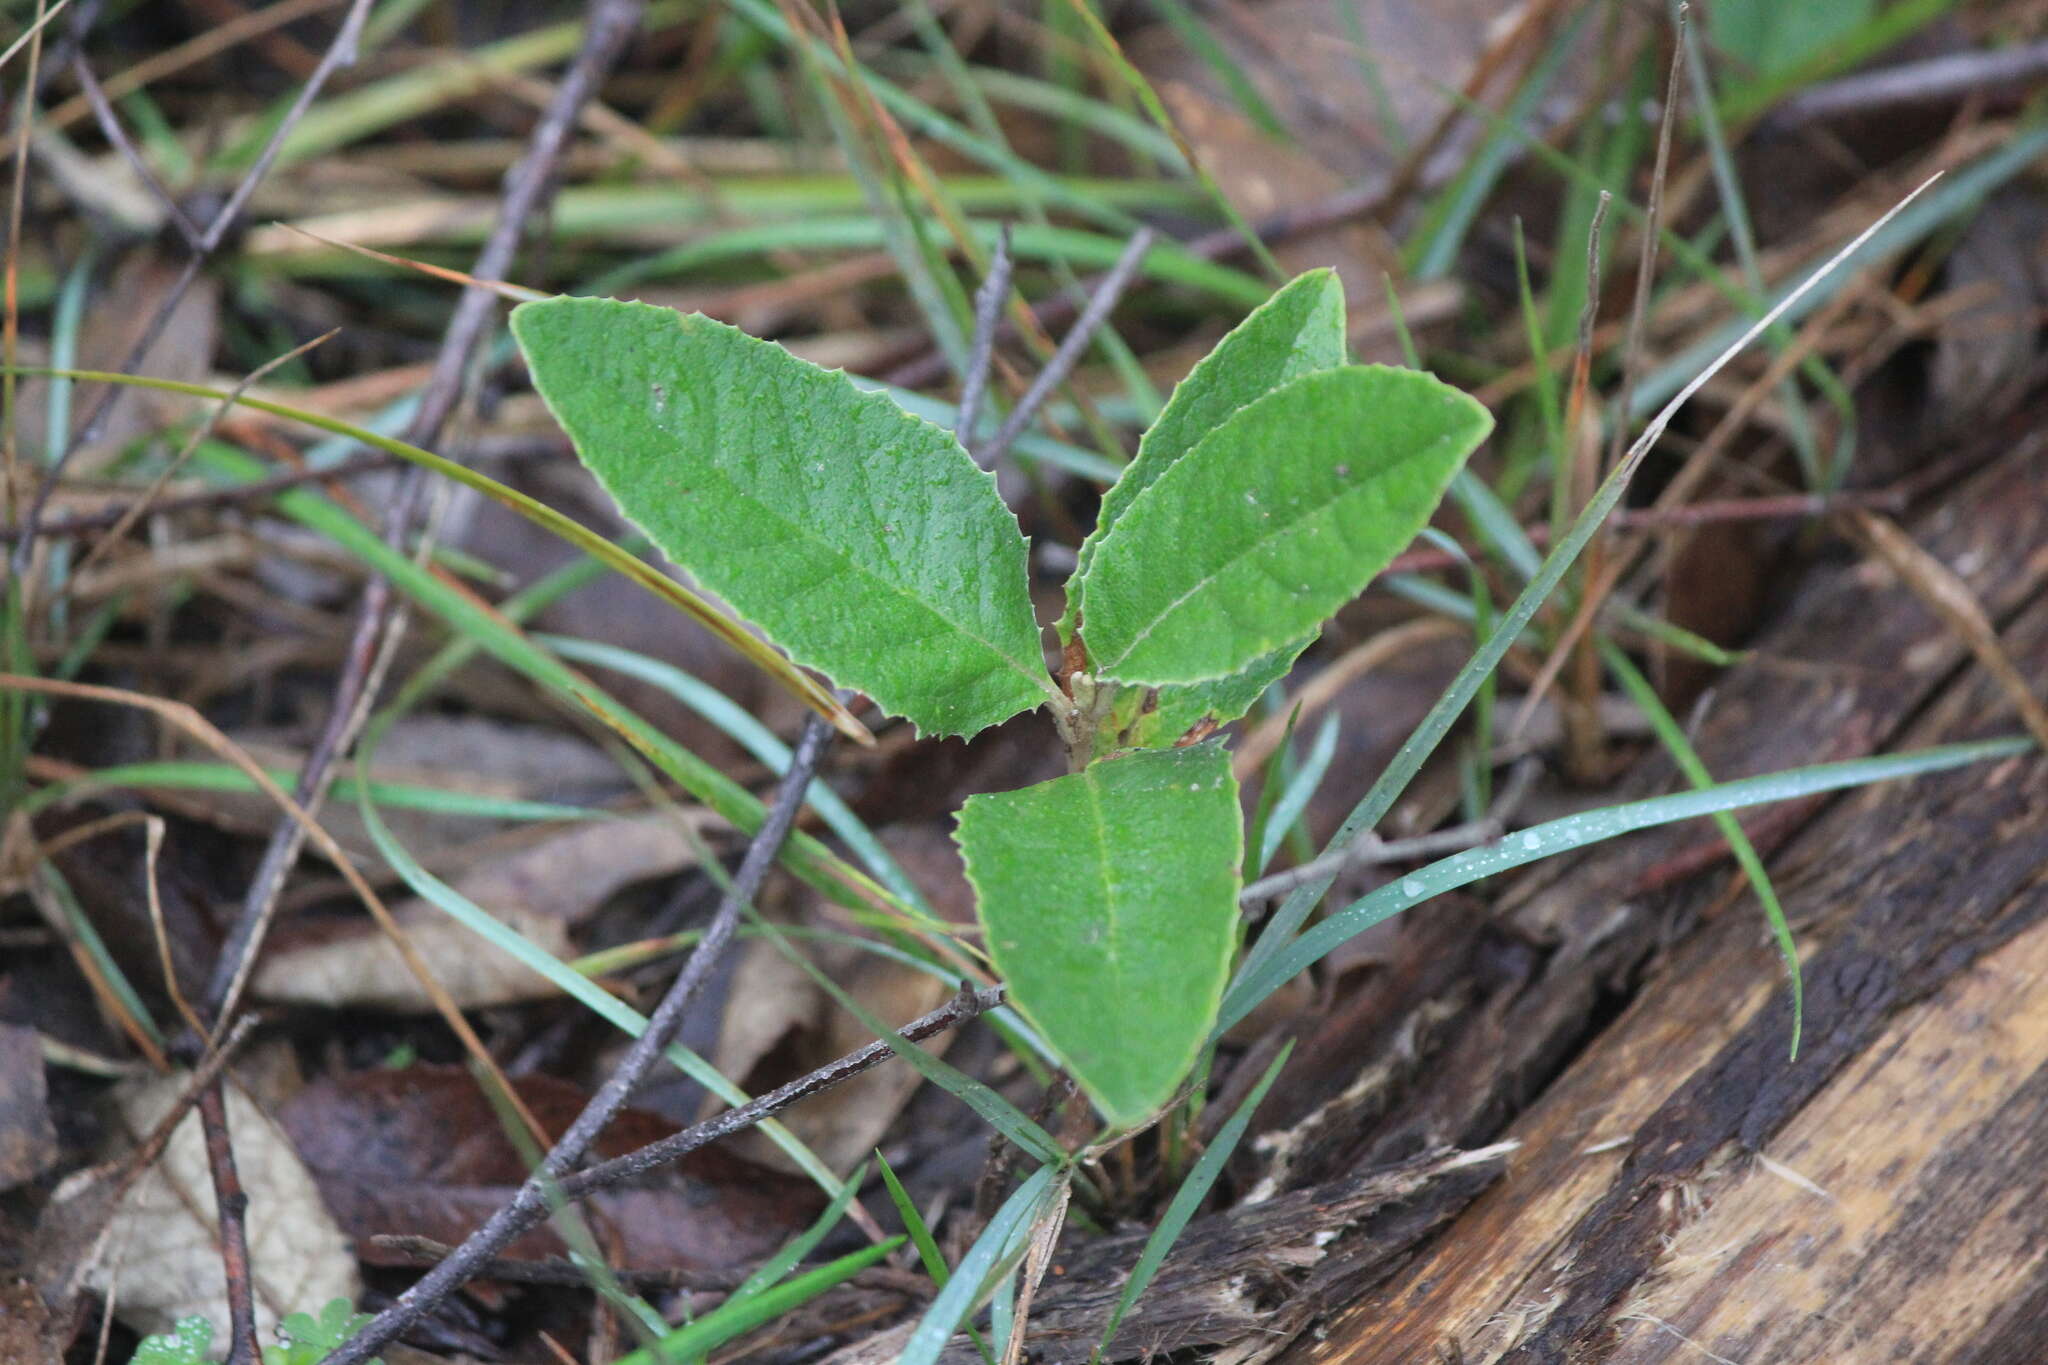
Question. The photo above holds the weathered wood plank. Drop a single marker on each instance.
(1626, 1154)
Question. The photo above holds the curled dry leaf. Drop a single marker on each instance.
(541, 891)
(422, 1152)
(161, 1256)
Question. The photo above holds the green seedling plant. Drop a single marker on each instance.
(303, 1339)
(868, 544)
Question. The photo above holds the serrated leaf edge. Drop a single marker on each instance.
(1106, 668)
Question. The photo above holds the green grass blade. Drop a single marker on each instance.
(1578, 831)
(730, 1319)
(920, 1232)
(195, 775)
(1187, 1200)
(1002, 1240)
(80, 927)
(1295, 798)
(1672, 737)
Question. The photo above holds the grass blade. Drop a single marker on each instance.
(1688, 760)
(1188, 1199)
(1577, 831)
(738, 1315)
(1002, 1241)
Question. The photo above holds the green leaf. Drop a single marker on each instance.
(1260, 978)
(1109, 898)
(1272, 522)
(307, 1340)
(1773, 35)
(1222, 699)
(186, 1343)
(1297, 331)
(860, 538)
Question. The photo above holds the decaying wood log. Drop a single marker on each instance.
(1682, 1191)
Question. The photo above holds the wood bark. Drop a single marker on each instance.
(1682, 1191)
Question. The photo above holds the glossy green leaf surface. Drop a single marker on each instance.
(860, 538)
(1297, 331)
(1109, 898)
(1272, 522)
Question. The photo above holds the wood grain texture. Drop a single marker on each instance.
(1682, 1191)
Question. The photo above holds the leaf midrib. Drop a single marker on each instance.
(801, 532)
(1108, 666)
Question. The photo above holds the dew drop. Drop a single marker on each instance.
(1532, 842)
(1411, 887)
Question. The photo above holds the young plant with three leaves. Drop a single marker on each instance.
(868, 544)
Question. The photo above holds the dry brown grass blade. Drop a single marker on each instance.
(512, 293)
(29, 34)
(1944, 590)
(186, 719)
(152, 849)
(1325, 687)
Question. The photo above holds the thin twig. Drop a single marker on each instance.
(988, 315)
(232, 1203)
(110, 127)
(1220, 244)
(341, 52)
(968, 1004)
(1071, 346)
(532, 1199)
(1937, 80)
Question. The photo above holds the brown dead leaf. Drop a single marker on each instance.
(541, 890)
(421, 1152)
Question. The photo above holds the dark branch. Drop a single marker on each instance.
(1071, 346)
(988, 313)
(530, 1204)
